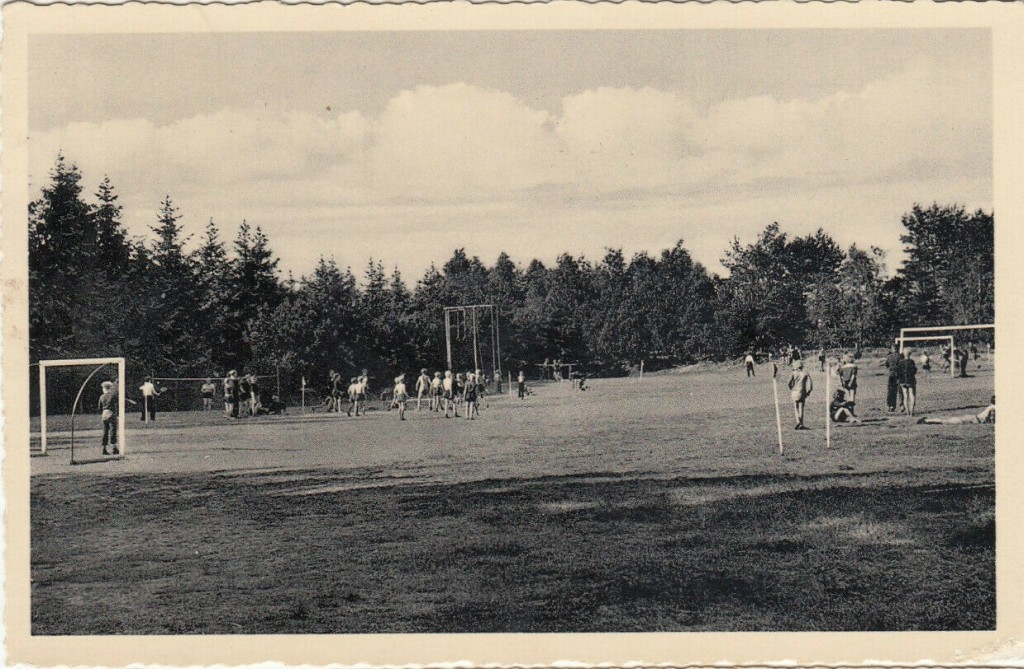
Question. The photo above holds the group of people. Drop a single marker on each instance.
(446, 391)
(242, 396)
(901, 388)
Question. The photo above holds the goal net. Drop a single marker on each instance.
(68, 394)
(977, 341)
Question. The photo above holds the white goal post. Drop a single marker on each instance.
(98, 363)
(919, 334)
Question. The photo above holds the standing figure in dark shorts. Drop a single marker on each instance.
(207, 390)
(522, 384)
(748, 362)
(906, 375)
(108, 413)
(893, 393)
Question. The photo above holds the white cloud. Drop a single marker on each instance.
(443, 152)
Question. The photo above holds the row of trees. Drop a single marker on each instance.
(187, 308)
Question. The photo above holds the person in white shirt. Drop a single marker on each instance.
(749, 363)
(149, 395)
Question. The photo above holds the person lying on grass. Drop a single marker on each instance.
(986, 415)
(841, 410)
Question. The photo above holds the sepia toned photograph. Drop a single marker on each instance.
(506, 330)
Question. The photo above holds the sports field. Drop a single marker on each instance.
(653, 505)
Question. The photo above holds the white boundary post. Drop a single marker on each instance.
(42, 406)
(122, 442)
(778, 413)
(828, 412)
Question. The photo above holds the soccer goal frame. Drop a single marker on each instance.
(921, 334)
(98, 363)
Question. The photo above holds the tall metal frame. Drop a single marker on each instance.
(468, 315)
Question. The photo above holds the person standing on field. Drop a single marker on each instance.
(448, 388)
(422, 387)
(149, 395)
(926, 362)
(821, 358)
(800, 387)
(232, 394)
(470, 396)
(848, 377)
(906, 375)
(400, 395)
(108, 414)
(893, 390)
(435, 392)
(748, 362)
(522, 384)
(207, 390)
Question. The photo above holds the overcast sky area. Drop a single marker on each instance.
(403, 146)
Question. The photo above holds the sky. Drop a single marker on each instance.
(403, 146)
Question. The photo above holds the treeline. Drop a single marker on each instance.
(184, 307)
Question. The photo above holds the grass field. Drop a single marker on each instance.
(659, 505)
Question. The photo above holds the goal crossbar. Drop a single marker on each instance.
(83, 362)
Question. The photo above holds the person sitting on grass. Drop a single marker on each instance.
(800, 387)
(840, 410)
(986, 415)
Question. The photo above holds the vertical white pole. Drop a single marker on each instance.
(828, 413)
(42, 406)
(122, 438)
(448, 336)
(641, 370)
(510, 384)
(778, 414)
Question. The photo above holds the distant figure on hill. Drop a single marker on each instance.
(986, 415)
(800, 387)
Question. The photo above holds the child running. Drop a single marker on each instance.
(800, 387)
(400, 395)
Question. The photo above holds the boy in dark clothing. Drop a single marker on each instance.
(893, 393)
(108, 413)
